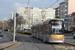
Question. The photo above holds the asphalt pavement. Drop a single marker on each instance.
(28, 43)
(6, 38)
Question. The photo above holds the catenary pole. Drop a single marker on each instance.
(14, 27)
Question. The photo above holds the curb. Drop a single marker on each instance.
(70, 43)
(3, 46)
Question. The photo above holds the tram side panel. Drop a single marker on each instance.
(46, 32)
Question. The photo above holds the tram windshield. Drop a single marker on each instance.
(57, 31)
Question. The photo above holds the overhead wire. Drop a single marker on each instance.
(28, 3)
(50, 6)
(27, 11)
(53, 3)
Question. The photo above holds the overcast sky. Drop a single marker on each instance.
(8, 6)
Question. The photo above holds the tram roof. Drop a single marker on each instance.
(41, 23)
(54, 19)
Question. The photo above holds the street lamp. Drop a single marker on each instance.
(3, 25)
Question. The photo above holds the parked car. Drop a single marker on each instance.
(72, 33)
(27, 31)
(1, 33)
(74, 36)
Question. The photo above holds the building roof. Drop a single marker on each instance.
(63, 2)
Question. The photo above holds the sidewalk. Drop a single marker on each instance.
(70, 40)
(6, 45)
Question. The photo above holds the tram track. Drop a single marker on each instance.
(63, 46)
(33, 43)
(24, 46)
(60, 46)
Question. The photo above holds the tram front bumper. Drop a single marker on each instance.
(56, 40)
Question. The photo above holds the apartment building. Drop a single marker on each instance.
(57, 12)
(34, 15)
(63, 9)
(66, 9)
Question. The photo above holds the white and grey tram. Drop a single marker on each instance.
(51, 30)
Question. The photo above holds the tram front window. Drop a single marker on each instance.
(57, 31)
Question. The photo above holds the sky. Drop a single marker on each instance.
(8, 6)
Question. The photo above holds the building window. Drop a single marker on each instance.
(66, 16)
(24, 12)
(65, 24)
(66, 12)
(65, 19)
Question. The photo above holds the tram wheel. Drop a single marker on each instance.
(73, 37)
(37, 37)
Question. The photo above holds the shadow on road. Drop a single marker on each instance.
(30, 39)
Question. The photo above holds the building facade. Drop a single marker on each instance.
(66, 9)
(65, 0)
(34, 15)
(63, 9)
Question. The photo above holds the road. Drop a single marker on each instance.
(28, 43)
(69, 39)
(6, 38)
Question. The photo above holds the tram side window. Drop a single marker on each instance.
(42, 29)
(50, 29)
(32, 30)
(35, 30)
(46, 29)
(39, 29)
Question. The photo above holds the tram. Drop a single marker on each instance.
(51, 30)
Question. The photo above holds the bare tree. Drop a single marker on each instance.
(3, 24)
(20, 20)
(11, 23)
